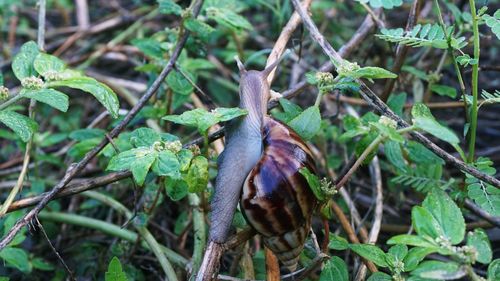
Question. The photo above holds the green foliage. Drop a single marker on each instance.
(101, 92)
(334, 269)
(444, 90)
(197, 176)
(386, 4)
(493, 22)
(484, 194)
(480, 242)
(203, 120)
(22, 64)
(27, 65)
(494, 270)
(51, 97)
(428, 35)
(439, 270)
(16, 257)
(115, 271)
(228, 18)
(169, 7)
(423, 119)
(23, 126)
(307, 123)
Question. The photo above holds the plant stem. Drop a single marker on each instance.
(475, 74)
(109, 229)
(143, 231)
(11, 101)
(454, 59)
(200, 236)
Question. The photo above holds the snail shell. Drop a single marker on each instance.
(276, 199)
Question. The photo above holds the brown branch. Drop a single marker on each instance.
(71, 189)
(375, 102)
(281, 42)
(74, 169)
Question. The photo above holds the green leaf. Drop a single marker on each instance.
(370, 252)
(314, 183)
(479, 240)
(334, 269)
(83, 134)
(115, 271)
(225, 114)
(429, 35)
(184, 156)
(370, 72)
(412, 240)
(149, 46)
(484, 194)
(197, 176)
(228, 18)
(386, 4)
(308, 123)
(494, 270)
(398, 251)
(199, 28)
(79, 150)
(123, 160)
(202, 119)
(16, 257)
(493, 22)
(423, 119)
(169, 7)
(447, 214)
(338, 243)
(23, 126)
(141, 165)
(51, 97)
(101, 92)
(167, 165)
(46, 64)
(439, 270)
(424, 223)
(178, 83)
(41, 264)
(176, 189)
(420, 154)
(379, 276)
(415, 256)
(394, 154)
(144, 137)
(445, 91)
(388, 131)
(396, 102)
(22, 63)
(290, 109)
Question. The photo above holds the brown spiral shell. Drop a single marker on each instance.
(277, 200)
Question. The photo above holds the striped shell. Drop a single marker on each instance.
(277, 200)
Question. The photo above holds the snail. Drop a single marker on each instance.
(259, 168)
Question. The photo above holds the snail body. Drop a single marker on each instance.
(276, 199)
(259, 168)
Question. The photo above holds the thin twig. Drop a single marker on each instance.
(69, 271)
(281, 42)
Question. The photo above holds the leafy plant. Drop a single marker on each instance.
(428, 35)
(484, 194)
(27, 65)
